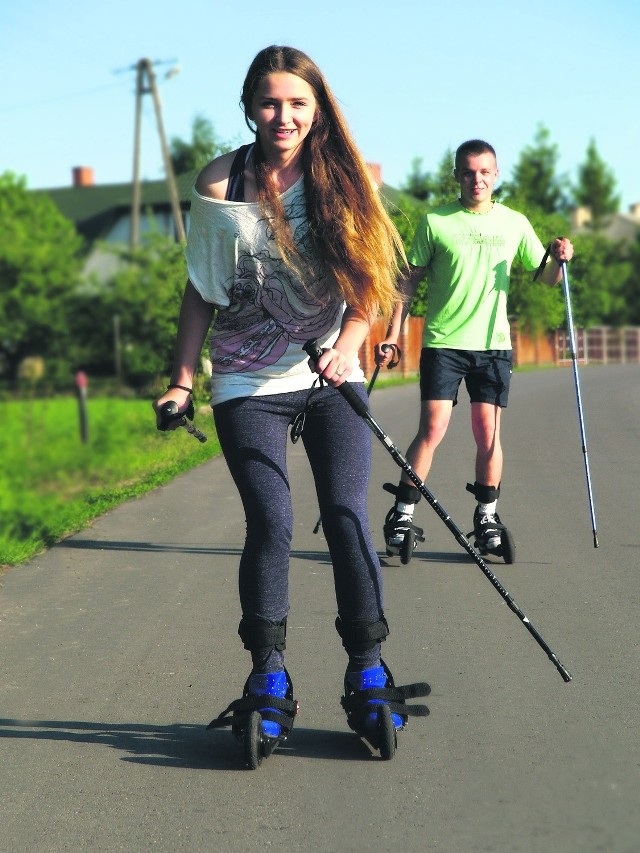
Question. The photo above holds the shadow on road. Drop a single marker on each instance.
(167, 548)
(183, 745)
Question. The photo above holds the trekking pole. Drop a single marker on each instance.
(169, 412)
(372, 382)
(574, 361)
(314, 351)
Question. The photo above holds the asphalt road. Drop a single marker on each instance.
(119, 645)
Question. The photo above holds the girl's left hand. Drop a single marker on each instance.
(333, 366)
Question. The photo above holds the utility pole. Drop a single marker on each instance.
(146, 84)
(135, 203)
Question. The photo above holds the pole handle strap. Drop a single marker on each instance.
(543, 263)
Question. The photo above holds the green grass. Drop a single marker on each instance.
(391, 380)
(52, 484)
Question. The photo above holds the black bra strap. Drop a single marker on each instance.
(235, 186)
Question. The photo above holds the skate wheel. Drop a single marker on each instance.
(406, 549)
(387, 737)
(508, 547)
(253, 741)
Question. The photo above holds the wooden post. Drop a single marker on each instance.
(82, 383)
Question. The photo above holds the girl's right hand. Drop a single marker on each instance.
(176, 395)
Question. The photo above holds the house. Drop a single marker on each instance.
(618, 226)
(101, 213)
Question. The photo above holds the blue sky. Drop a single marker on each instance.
(413, 77)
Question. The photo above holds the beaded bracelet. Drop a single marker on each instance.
(181, 387)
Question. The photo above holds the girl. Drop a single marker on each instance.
(288, 241)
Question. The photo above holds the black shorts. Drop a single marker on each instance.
(486, 373)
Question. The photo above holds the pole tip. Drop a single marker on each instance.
(564, 672)
(596, 544)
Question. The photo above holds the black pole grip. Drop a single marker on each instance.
(314, 351)
(170, 412)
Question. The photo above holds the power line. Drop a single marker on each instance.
(58, 98)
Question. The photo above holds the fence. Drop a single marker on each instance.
(603, 344)
(600, 344)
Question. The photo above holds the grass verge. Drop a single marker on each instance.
(52, 484)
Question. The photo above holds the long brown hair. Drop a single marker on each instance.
(350, 230)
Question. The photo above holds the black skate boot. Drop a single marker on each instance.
(401, 535)
(376, 709)
(491, 536)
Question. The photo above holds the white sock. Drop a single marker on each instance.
(487, 509)
(405, 509)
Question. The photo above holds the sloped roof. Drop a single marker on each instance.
(94, 209)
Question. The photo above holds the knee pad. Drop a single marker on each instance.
(484, 494)
(404, 493)
(260, 634)
(359, 636)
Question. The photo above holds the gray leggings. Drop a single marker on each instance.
(254, 433)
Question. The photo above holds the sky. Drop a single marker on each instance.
(414, 78)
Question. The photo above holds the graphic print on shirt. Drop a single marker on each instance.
(270, 308)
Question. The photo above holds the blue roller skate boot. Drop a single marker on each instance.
(376, 708)
(264, 716)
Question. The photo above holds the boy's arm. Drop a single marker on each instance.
(407, 286)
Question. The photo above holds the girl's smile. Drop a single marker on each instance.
(283, 110)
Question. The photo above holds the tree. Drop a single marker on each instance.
(631, 291)
(534, 182)
(419, 183)
(599, 273)
(596, 187)
(145, 295)
(445, 188)
(204, 146)
(39, 269)
(405, 212)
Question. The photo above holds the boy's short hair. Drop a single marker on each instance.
(473, 147)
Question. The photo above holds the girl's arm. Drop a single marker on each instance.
(195, 318)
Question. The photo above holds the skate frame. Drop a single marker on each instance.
(314, 351)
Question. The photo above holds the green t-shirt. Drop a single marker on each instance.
(468, 257)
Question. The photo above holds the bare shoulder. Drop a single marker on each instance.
(212, 180)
